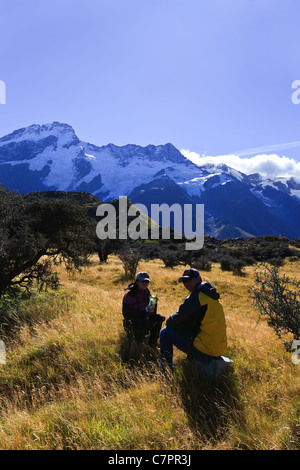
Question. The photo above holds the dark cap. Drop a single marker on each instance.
(142, 276)
(189, 274)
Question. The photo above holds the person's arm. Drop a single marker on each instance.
(186, 312)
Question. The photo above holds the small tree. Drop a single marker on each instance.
(130, 258)
(36, 233)
(104, 248)
(278, 299)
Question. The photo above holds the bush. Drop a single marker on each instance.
(233, 264)
(278, 299)
(202, 264)
(170, 257)
(276, 261)
(236, 267)
(225, 263)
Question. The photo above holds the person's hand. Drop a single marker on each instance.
(151, 308)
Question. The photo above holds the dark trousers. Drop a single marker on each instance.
(143, 326)
(170, 338)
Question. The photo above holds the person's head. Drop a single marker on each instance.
(142, 280)
(190, 279)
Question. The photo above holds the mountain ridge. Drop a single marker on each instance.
(50, 157)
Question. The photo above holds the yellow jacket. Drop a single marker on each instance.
(211, 339)
(201, 316)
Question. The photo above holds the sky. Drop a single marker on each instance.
(213, 77)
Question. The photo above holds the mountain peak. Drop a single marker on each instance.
(166, 153)
(38, 132)
(56, 126)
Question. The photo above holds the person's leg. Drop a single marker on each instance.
(139, 327)
(169, 338)
(154, 324)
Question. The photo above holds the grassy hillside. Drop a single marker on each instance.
(70, 381)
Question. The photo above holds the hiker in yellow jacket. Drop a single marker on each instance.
(198, 328)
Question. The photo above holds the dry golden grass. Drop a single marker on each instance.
(69, 382)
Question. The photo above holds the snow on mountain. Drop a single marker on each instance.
(72, 164)
(195, 186)
(51, 157)
(34, 133)
(285, 185)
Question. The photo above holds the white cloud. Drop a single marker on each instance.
(269, 165)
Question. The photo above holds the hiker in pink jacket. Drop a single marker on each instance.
(136, 311)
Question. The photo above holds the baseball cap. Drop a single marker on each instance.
(142, 276)
(189, 274)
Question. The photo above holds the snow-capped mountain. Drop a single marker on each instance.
(51, 157)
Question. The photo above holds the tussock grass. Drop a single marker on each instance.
(72, 381)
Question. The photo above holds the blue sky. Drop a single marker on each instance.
(212, 77)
